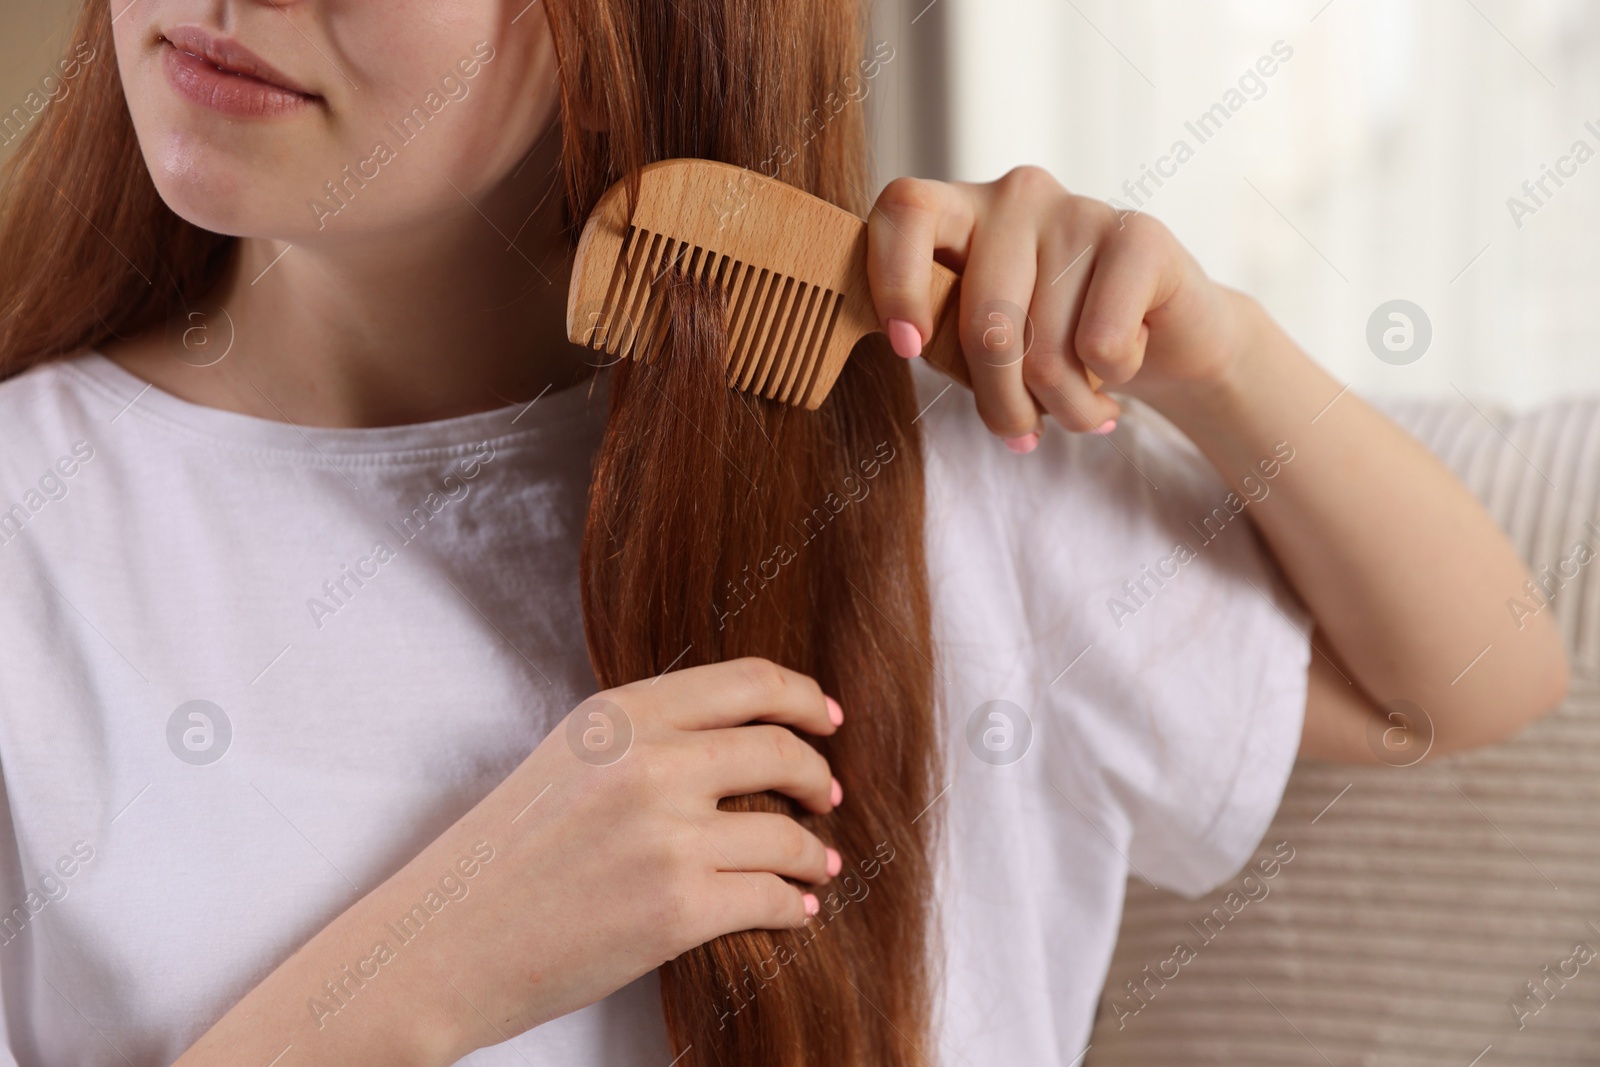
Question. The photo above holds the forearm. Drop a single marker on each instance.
(1408, 578)
(399, 1017)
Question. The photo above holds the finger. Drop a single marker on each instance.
(913, 218)
(996, 289)
(737, 691)
(759, 901)
(1051, 370)
(759, 841)
(753, 759)
(1135, 275)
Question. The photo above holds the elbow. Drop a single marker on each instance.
(1553, 680)
(1546, 677)
(1526, 691)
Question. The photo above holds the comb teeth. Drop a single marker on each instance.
(778, 326)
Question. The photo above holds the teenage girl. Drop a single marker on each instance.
(295, 463)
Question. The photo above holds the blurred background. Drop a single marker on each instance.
(1376, 163)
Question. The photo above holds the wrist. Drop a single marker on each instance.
(368, 997)
(1249, 394)
(410, 1008)
(314, 1003)
(1224, 386)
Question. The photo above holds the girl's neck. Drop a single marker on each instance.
(432, 319)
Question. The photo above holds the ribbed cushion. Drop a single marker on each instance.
(1419, 903)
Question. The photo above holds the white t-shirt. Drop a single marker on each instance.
(226, 713)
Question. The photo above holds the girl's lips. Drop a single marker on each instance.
(226, 77)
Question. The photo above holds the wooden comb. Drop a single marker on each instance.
(793, 269)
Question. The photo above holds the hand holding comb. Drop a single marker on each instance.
(793, 268)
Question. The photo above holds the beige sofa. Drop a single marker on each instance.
(1445, 914)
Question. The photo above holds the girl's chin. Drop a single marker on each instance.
(246, 191)
(216, 191)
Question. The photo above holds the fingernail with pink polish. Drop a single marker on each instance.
(1024, 444)
(835, 712)
(1106, 427)
(904, 337)
(813, 905)
(836, 795)
(835, 862)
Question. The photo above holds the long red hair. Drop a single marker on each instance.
(720, 525)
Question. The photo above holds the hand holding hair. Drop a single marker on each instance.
(609, 857)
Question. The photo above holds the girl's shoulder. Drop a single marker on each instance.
(55, 397)
(50, 430)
